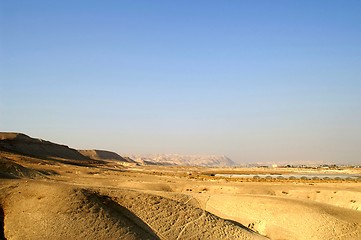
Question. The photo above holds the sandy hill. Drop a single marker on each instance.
(184, 160)
(10, 169)
(23, 144)
(104, 155)
(60, 211)
(15, 166)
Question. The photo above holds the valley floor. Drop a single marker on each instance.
(112, 201)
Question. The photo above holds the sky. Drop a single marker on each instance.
(257, 81)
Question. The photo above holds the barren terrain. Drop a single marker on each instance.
(56, 198)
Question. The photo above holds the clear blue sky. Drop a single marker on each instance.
(253, 80)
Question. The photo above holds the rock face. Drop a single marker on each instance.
(23, 144)
(185, 160)
(105, 155)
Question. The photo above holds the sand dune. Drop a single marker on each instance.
(48, 211)
(36, 210)
(279, 217)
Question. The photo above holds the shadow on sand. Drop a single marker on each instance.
(117, 211)
(2, 217)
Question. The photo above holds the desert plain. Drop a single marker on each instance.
(52, 197)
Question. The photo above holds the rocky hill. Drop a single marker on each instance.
(23, 144)
(105, 155)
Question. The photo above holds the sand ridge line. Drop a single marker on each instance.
(195, 220)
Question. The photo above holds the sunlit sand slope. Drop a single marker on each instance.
(34, 210)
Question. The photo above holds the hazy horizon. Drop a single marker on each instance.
(257, 81)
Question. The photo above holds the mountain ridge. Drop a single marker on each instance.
(23, 144)
(185, 160)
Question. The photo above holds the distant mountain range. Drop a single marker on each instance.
(184, 160)
(23, 144)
